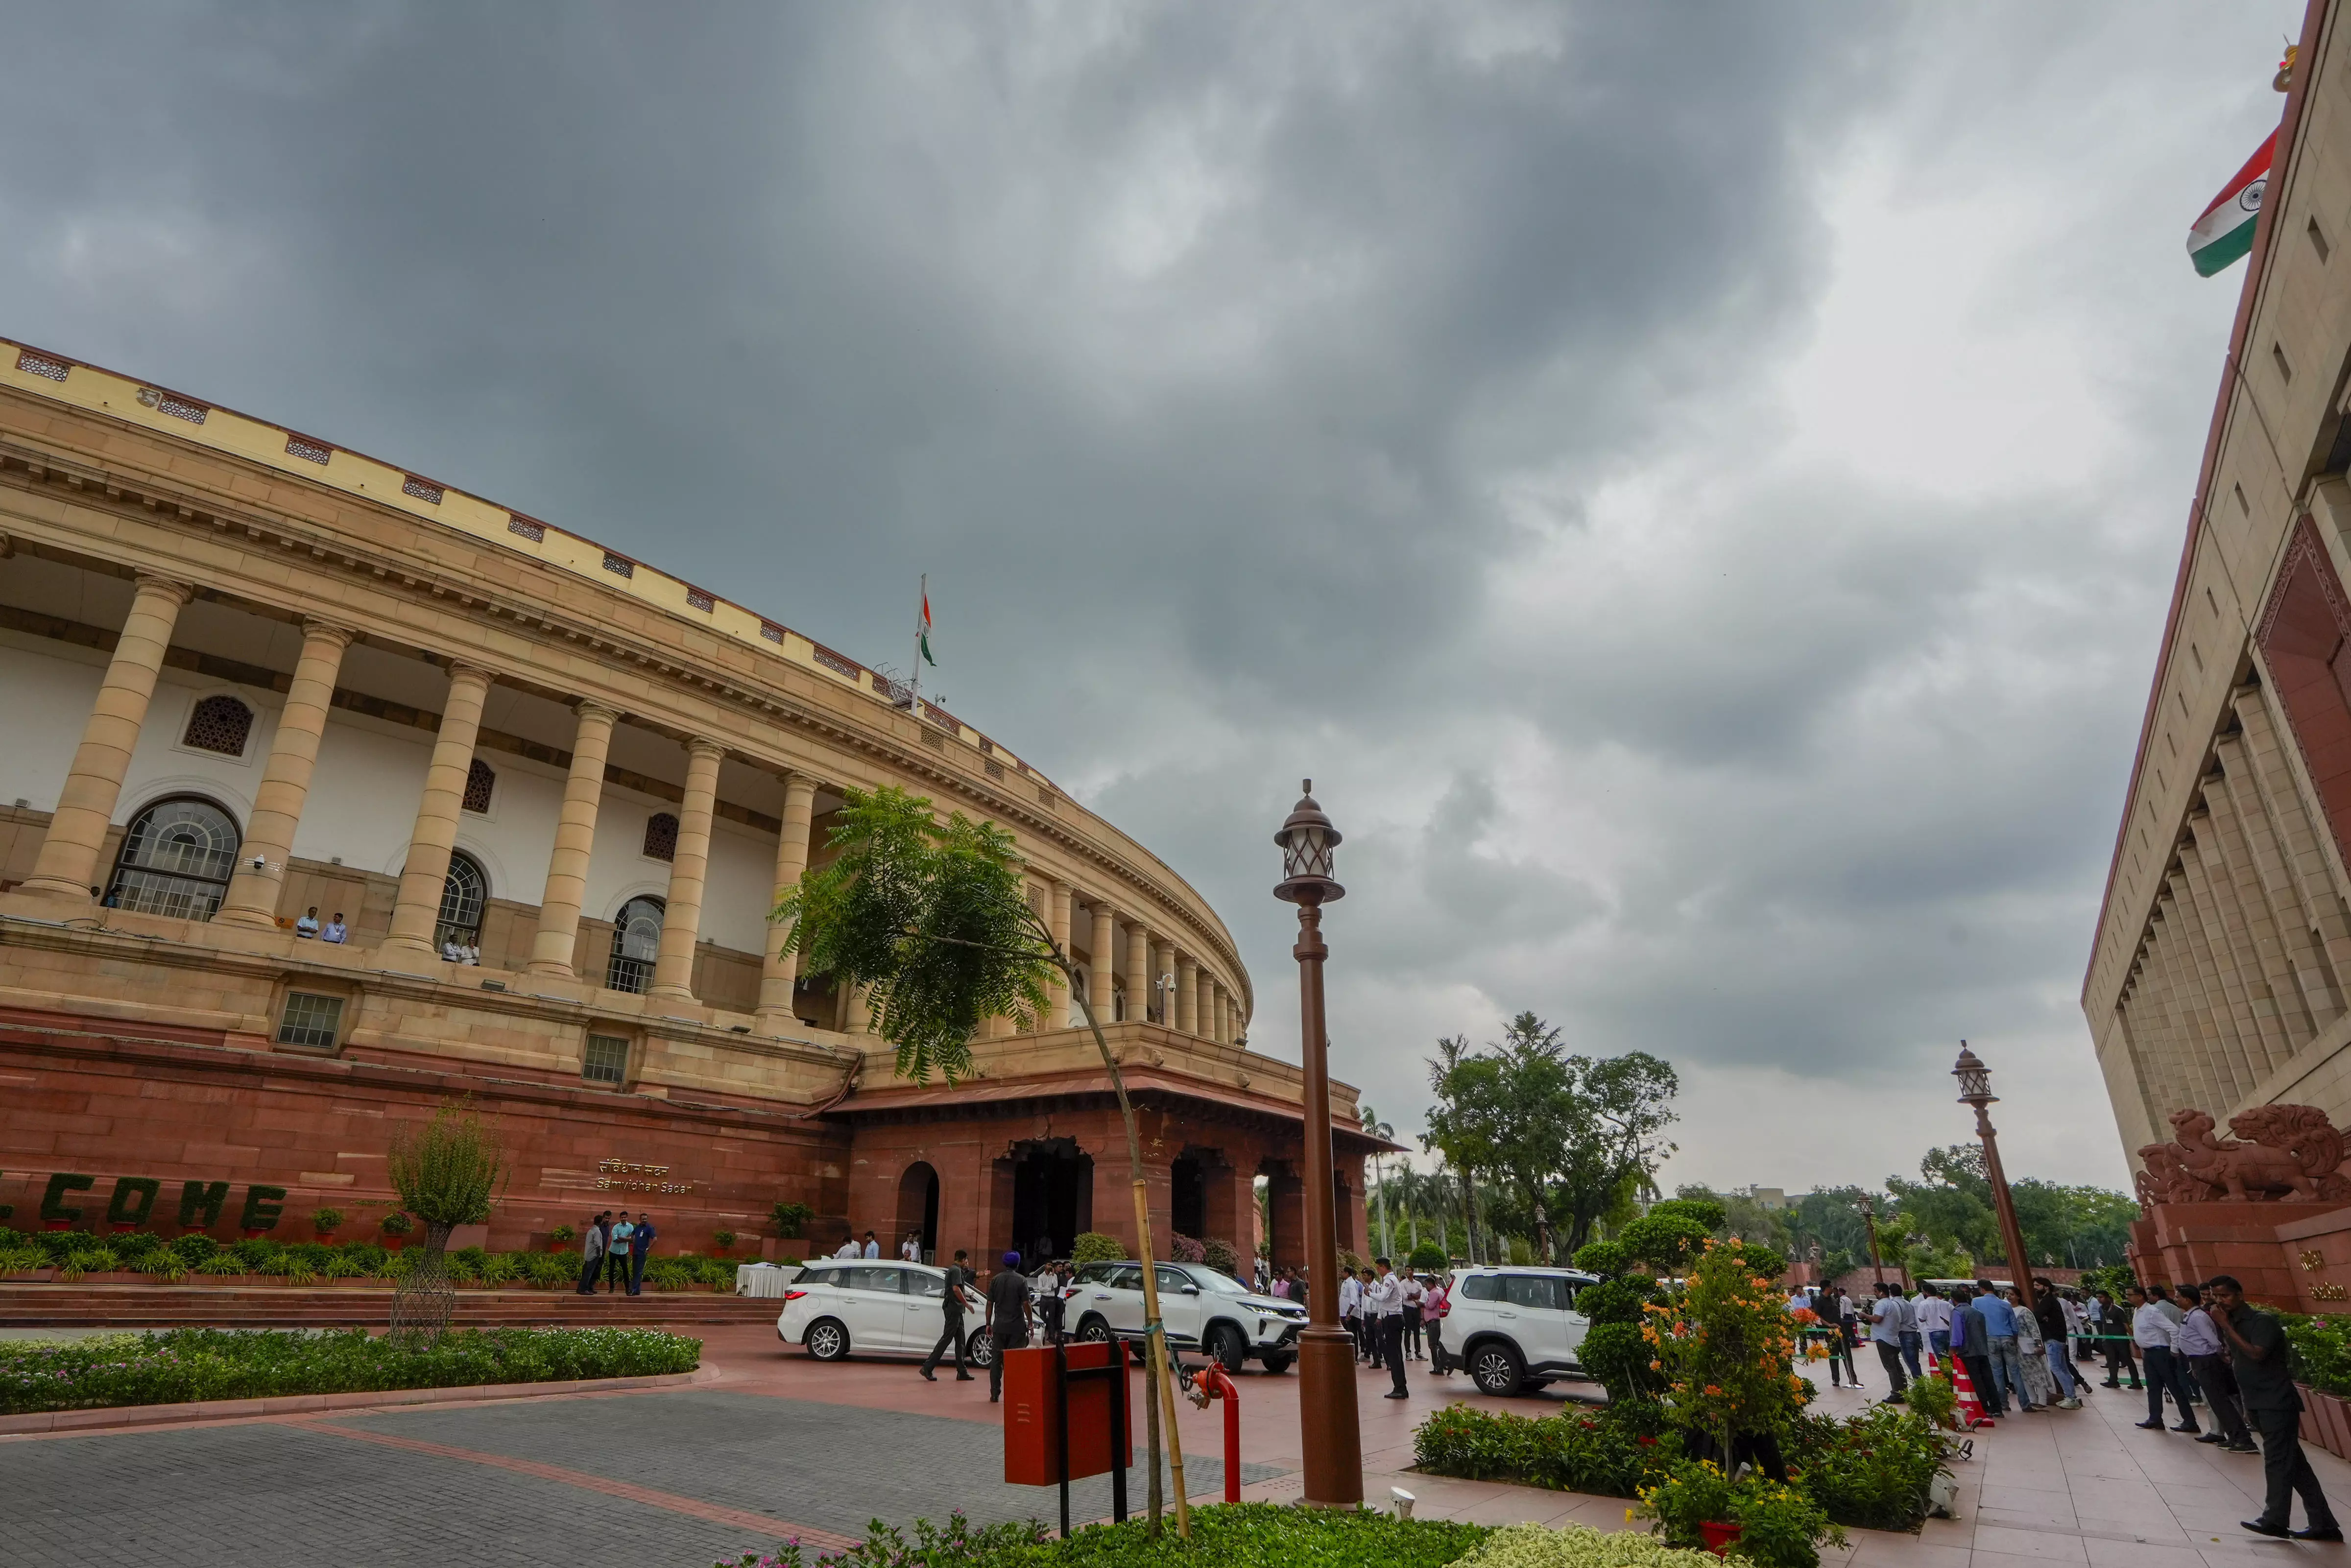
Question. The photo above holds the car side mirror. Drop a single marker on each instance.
(1191, 1290)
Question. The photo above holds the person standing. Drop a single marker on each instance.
(873, 1249)
(848, 1248)
(1007, 1319)
(336, 931)
(1973, 1344)
(2152, 1331)
(2049, 1317)
(1048, 1291)
(2032, 1374)
(2115, 1333)
(1414, 1293)
(909, 1251)
(1434, 1304)
(1350, 1309)
(2257, 1355)
(1912, 1339)
(2000, 1340)
(1932, 1311)
(951, 1315)
(616, 1256)
(641, 1247)
(1384, 1313)
(1372, 1324)
(2199, 1344)
(1886, 1316)
(591, 1255)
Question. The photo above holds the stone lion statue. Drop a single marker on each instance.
(2289, 1151)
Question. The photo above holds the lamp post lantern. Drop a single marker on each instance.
(1332, 1438)
(1975, 1088)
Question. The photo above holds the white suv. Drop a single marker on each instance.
(835, 1306)
(1516, 1329)
(1203, 1310)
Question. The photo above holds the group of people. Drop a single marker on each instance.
(1012, 1301)
(308, 929)
(616, 1247)
(2199, 1344)
(1387, 1312)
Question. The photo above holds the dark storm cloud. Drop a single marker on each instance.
(1250, 381)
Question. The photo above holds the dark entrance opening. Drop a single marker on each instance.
(1187, 1197)
(918, 1207)
(1052, 1198)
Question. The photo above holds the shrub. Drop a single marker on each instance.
(501, 1268)
(1780, 1527)
(1665, 1241)
(722, 1239)
(1093, 1247)
(2320, 1352)
(1609, 1452)
(1428, 1258)
(186, 1364)
(1605, 1258)
(253, 1251)
(397, 1224)
(1724, 1348)
(448, 1171)
(1579, 1546)
(134, 1245)
(221, 1263)
(1693, 1492)
(326, 1221)
(165, 1265)
(1223, 1257)
(345, 1265)
(1872, 1471)
(1704, 1212)
(791, 1220)
(1933, 1398)
(561, 1234)
(1184, 1249)
(194, 1248)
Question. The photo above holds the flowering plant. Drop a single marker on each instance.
(1725, 1348)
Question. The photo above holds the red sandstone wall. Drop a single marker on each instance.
(182, 1110)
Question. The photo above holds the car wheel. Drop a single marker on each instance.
(980, 1349)
(1227, 1347)
(1092, 1330)
(1496, 1368)
(1279, 1362)
(827, 1339)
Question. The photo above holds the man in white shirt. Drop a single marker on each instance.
(308, 925)
(1351, 1310)
(1414, 1293)
(335, 931)
(1886, 1315)
(1932, 1309)
(911, 1249)
(848, 1248)
(2153, 1331)
(1384, 1315)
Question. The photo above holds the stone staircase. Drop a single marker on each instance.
(152, 1306)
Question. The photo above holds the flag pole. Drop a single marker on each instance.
(914, 680)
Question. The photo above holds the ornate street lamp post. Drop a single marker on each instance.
(1326, 1358)
(1975, 1088)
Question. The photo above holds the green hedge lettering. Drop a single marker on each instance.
(143, 1188)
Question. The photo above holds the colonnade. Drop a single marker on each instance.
(1181, 990)
(2249, 946)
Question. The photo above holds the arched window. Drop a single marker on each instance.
(661, 837)
(479, 781)
(463, 895)
(219, 724)
(176, 859)
(636, 943)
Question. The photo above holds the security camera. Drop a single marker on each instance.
(260, 862)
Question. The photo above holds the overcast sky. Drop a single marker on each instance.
(1695, 486)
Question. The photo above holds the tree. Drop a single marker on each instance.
(447, 1172)
(1624, 1105)
(933, 920)
(1379, 1129)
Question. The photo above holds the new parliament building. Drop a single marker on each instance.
(545, 795)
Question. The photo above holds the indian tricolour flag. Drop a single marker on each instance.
(2225, 231)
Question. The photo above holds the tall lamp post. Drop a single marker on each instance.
(1326, 1359)
(1975, 1088)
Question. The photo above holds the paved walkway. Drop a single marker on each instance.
(781, 1445)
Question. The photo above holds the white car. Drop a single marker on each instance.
(1516, 1329)
(837, 1306)
(1202, 1309)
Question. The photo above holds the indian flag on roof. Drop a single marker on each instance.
(2225, 231)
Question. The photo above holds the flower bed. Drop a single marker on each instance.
(73, 1257)
(1231, 1535)
(186, 1364)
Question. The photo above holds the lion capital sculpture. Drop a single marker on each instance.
(2290, 1152)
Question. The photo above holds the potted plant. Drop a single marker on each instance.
(1776, 1526)
(791, 1220)
(1692, 1506)
(720, 1240)
(396, 1227)
(560, 1238)
(326, 1222)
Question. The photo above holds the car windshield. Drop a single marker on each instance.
(1222, 1284)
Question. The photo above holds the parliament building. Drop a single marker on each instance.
(331, 794)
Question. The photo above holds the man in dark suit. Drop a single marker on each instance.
(951, 1311)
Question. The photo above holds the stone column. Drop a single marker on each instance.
(1187, 993)
(1057, 1009)
(1219, 1006)
(781, 970)
(682, 915)
(857, 1020)
(425, 875)
(1163, 967)
(253, 895)
(1138, 972)
(1106, 961)
(69, 861)
(575, 840)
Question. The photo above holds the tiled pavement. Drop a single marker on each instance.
(683, 1476)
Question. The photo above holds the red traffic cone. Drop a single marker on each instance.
(1970, 1409)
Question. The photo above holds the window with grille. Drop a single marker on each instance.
(607, 1061)
(463, 895)
(219, 724)
(661, 837)
(176, 859)
(636, 943)
(310, 1020)
(480, 779)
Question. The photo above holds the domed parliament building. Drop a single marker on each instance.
(545, 794)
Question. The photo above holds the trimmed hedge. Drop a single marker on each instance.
(1230, 1535)
(308, 1262)
(183, 1365)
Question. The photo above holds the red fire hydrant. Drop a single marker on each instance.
(1210, 1383)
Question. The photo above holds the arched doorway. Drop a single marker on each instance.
(918, 1207)
(1187, 1197)
(176, 859)
(457, 931)
(1052, 1197)
(636, 943)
